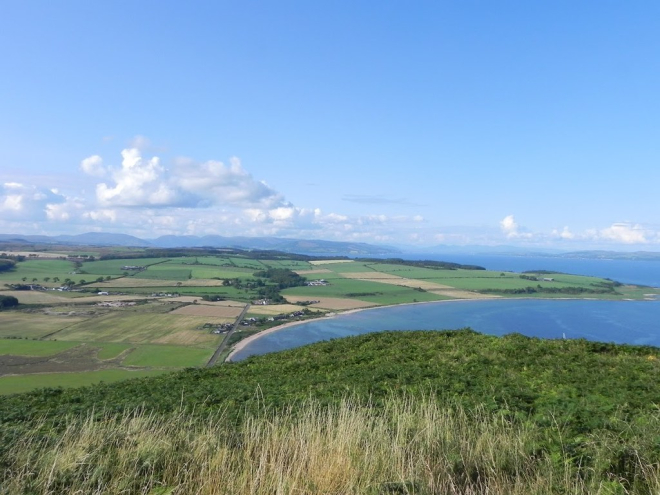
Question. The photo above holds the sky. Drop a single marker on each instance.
(534, 124)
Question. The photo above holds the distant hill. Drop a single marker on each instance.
(312, 247)
(613, 255)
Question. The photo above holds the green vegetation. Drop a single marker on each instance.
(8, 302)
(147, 279)
(24, 383)
(167, 356)
(393, 412)
(7, 265)
(17, 347)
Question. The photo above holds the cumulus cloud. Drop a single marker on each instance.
(213, 182)
(26, 202)
(138, 182)
(565, 233)
(146, 182)
(93, 165)
(625, 233)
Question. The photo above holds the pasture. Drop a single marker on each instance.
(24, 383)
(144, 328)
(86, 343)
(19, 347)
(33, 325)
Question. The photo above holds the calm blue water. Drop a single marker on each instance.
(625, 271)
(631, 322)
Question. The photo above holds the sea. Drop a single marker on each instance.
(622, 322)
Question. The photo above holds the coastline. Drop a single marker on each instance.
(241, 344)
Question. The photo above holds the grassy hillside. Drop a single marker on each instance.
(457, 409)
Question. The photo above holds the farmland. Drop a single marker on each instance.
(82, 319)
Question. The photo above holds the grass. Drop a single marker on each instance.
(222, 272)
(113, 267)
(26, 383)
(369, 291)
(166, 271)
(406, 446)
(40, 269)
(111, 351)
(17, 347)
(394, 412)
(33, 325)
(142, 328)
(163, 356)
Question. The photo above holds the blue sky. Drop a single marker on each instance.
(422, 123)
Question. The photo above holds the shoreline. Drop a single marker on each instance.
(242, 343)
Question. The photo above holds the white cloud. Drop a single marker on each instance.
(138, 182)
(563, 234)
(23, 202)
(93, 165)
(213, 183)
(512, 230)
(626, 233)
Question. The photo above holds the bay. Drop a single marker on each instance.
(622, 322)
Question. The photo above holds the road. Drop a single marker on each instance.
(225, 341)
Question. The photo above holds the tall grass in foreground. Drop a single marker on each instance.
(408, 446)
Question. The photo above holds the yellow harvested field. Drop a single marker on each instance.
(144, 328)
(335, 303)
(369, 275)
(208, 310)
(133, 282)
(202, 282)
(274, 309)
(327, 262)
(462, 294)
(189, 299)
(320, 271)
(54, 297)
(36, 254)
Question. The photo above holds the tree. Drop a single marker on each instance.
(24, 279)
(56, 279)
(46, 279)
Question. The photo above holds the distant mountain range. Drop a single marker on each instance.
(315, 247)
(311, 247)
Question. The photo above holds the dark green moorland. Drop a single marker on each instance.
(590, 409)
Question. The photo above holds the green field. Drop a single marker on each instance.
(156, 338)
(25, 383)
(362, 290)
(33, 325)
(113, 267)
(18, 347)
(164, 356)
(41, 269)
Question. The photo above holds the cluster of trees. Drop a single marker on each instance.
(7, 265)
(8, 302)
(282, 277)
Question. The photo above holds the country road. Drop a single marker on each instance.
(225, 341)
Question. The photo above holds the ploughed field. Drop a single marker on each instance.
(83, 319)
